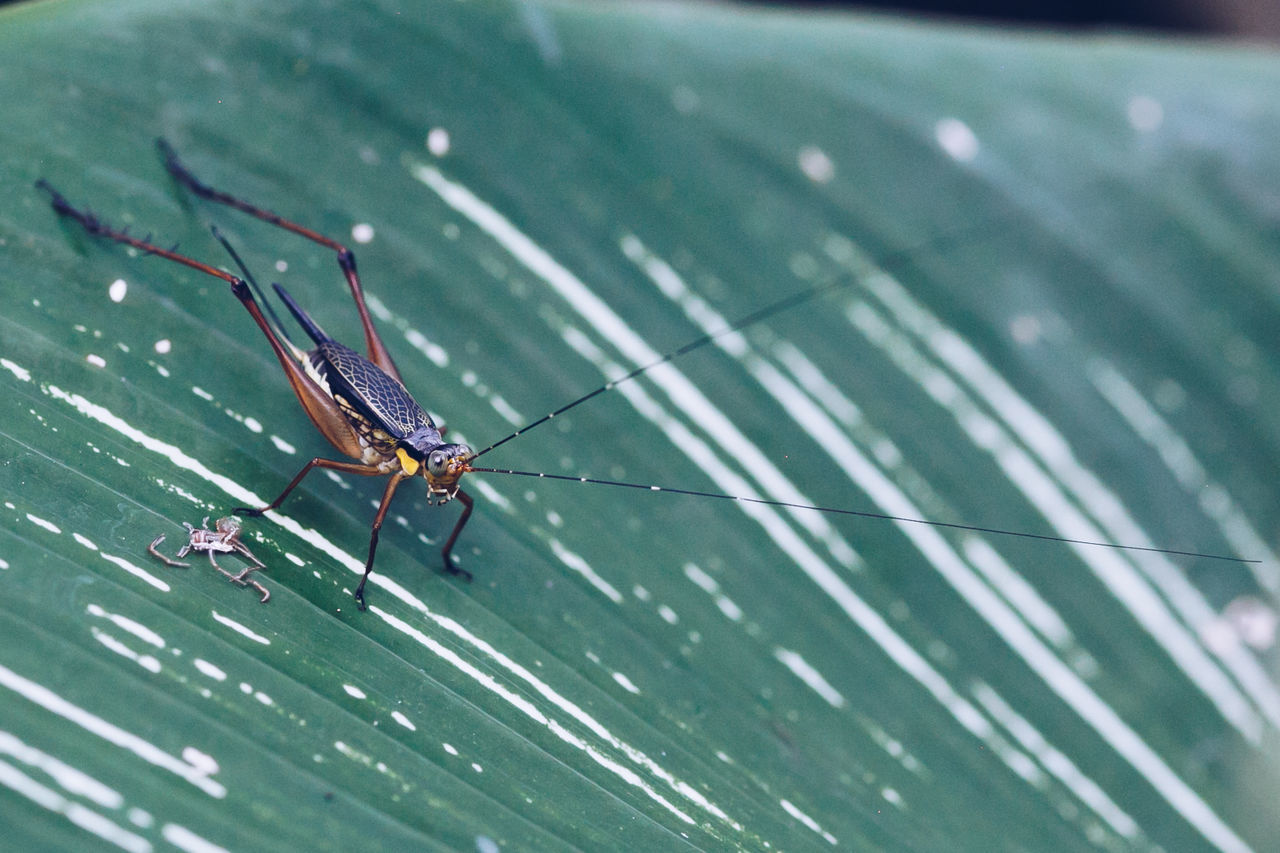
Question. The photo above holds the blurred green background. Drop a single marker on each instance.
(1044, 298)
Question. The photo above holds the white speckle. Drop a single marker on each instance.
(137, 572)
(729, 607)
(955, 138)
(147, 662)
(804, 266)
(88, 543)
(96, 360)
(507, 411)
(239, 629)
(1247, 619)
(185, 839)
(582, 567)
(485, 844)
(17, 370)
(117, 290)
(640, 592)
(163, 345)
(1025, 329)
(161, 369)
(435, 352)
(892, 796)
(4, 564)
(295, 559)
(438, 141)
(803, 670)
(201, 393)
(627, 684)
(141, 817)
(701, 578)
(475, 765)
(362, 232)
(887, 453)
(283, 446)
(137, 629)
(264, 698)
(668, 615)
(1145, 114)
(685, 100)
(450, 748)
(791, 809)
(253, 424)
(200, 761)
(369, 156)
(209, 670)
(816, 165)
(40, 522)
(352, 690)
(282, 265)
(554, 519)
(404, 721)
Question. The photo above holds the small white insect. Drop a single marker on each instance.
(223, 539)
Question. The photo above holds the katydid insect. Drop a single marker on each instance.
(359, 403)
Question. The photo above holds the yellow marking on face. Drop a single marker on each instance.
(407, 462)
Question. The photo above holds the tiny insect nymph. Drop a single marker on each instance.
(223, 539)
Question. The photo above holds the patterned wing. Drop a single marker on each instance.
(365, 387)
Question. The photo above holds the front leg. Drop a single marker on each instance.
(447, 552)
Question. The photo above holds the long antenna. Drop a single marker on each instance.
(785, 303)
(754, 317)
(863, 514)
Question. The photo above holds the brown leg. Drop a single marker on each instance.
(447, 551)
(377, 351)
(243, 551)
(373, 537)
(345, 467)
(152, 550)
(221, 570)
(242, 577)
(322, 410)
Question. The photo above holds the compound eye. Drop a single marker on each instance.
(438, 462)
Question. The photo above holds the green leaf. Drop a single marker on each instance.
(1040, 296)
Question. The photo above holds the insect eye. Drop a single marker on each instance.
(437, 461)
